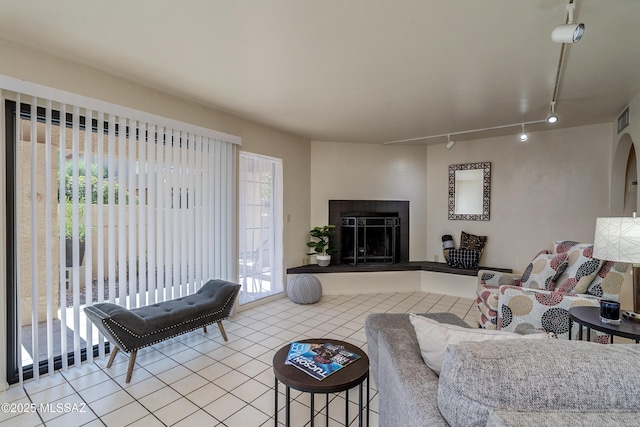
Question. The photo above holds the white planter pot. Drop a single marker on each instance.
(323, 260)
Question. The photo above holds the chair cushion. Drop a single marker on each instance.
(544, 270)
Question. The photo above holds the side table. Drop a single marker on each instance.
(345, 379)
(589, 317)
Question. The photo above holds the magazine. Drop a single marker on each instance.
(319, 360)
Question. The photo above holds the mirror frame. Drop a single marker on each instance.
(486, 191)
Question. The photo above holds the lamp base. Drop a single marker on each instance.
(630, 315)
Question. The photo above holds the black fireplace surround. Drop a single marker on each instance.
(369, 231)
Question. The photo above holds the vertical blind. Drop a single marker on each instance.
(150, 202)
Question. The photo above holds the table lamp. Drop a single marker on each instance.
(618, 239)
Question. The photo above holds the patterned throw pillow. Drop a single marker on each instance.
(581, 269)
(608, 282)
(544, 270)
(471, 241)
(463, 258)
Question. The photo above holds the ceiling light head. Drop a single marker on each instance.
(450, 142)
(523, 136)
(568, 33)
(553, 116)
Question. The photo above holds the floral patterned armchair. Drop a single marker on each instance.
(556, 280)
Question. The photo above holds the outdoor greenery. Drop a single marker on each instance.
(96, 176)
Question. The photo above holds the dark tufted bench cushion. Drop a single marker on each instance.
(130, 330)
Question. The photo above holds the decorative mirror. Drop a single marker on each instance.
(470, 191)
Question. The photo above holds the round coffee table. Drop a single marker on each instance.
(590, 318)
(345, 379)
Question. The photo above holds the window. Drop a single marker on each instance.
(260, 239)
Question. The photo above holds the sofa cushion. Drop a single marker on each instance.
(478, 378)
(434, 337)
(544, 270)
(581, 269)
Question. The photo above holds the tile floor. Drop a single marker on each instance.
(199, 379)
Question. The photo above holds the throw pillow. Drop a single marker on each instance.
(471, 241)
(581, 269)
(544, 270)
(463, 258)
(434, 337)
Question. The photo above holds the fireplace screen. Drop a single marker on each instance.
(369, 239)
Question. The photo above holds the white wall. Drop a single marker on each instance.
(552, 187)
(371, 172)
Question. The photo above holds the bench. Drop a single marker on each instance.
(131, 330)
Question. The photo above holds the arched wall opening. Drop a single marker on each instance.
(624, 173)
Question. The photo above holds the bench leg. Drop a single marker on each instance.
(113, 355)
(132, 362)
(224, 335)
(205, 328)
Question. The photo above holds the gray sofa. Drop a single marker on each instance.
(501, 383)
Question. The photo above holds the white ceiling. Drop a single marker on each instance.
(352, 70)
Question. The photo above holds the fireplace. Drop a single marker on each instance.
(369, 231)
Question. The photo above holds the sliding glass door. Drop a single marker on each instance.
(260, 239)
(103, 207)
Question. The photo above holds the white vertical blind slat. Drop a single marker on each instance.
(152, 182)
(132, 268)
(141, 184)
(111, 209)
(65, 277)
(33, 197)
(100, 227)
(88, 218)
(48, 235)
(122, 213)
(75, 152)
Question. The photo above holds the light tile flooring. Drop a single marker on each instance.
(199, 379)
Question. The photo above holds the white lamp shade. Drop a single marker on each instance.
(617, 239)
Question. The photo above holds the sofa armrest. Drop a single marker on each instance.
(407, 387)
(497, 278)
(522, 308)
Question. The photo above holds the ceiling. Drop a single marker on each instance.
(353, 70)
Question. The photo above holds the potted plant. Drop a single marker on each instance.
(321, 247)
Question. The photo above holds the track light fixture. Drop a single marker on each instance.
(569, 32)
(523, 136)
(450, 142)
(553, 116)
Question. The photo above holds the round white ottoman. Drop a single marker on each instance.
(304, 289)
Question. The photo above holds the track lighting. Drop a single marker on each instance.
(569, 32)
(553, 116)
(450, 142)
(523, 136)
